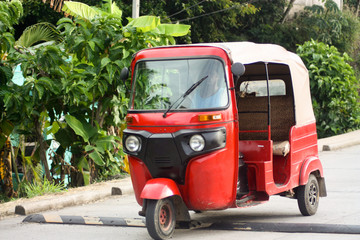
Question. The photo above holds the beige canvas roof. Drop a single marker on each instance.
(248, 52)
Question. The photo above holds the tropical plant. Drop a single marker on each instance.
(38, 33)
(73, 90)
(95, 98)
(10, 12)
(334, 88)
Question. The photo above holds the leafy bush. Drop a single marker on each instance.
(334, 88)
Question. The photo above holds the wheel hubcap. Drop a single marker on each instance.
(312, 195)
(165, 217)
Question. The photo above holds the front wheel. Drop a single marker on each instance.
(308, 196)
(160, 218)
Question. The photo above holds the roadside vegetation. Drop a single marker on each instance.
(72, 103)
(62, 126)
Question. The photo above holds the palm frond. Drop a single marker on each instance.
(40, 32)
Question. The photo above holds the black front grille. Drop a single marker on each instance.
(162, 157)
(166, 160)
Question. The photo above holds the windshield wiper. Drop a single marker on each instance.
(185, 94)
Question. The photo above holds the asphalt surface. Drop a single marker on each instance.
(98, 191)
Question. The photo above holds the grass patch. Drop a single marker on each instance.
(30, 190)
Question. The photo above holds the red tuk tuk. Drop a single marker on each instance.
(220, 125)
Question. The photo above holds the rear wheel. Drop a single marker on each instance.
(308, 196)
(160, 218)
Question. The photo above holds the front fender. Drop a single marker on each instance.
(311, 164)
(159, 188)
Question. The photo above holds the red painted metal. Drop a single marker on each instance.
(303, 142)
(310, 165)
(211, 179)
(139, 176)
(159, 188)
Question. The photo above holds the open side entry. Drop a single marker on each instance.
(265, 102)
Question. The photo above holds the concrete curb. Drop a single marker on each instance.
(339, 141)
(72, 197)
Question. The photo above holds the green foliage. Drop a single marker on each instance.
(78, 78)
(263, 25)
(6, 127)
(37, 33)
(79, 9)
(329, 25)
(221, 18)
(326, 24)
(10, 12)
(334, 88)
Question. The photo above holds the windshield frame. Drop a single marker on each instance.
(133, 85)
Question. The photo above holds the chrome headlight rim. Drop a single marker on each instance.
(197, 143)
(133, 144)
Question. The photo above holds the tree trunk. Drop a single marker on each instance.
(13, 159)
(42, 148)
(287, 11)
(357, 7)
(76, 176)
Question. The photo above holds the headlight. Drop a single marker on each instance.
(197, 143)
(132, 144)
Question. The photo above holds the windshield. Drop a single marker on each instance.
(160, 84)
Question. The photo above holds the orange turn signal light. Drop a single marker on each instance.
(210, 117)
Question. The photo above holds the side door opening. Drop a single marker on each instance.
(266, 112)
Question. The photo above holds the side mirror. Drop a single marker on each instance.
(238, 69)
(124, 75)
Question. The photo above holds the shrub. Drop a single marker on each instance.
(334, 88)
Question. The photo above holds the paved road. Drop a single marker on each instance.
(342, 206)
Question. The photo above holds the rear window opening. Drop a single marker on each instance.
(258, 88)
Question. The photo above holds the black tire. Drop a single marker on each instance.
(160, 218)
(308, 196)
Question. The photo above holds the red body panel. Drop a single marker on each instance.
(310, 165)
(258, 157)
(139, 176)
(211, 179)
(159, 188)
(264, 168)
(303, 141)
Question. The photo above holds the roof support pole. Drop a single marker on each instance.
(268, 100)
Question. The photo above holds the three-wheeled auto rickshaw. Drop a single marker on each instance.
(220, 125)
